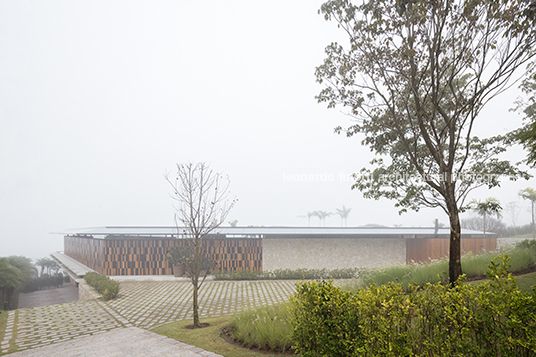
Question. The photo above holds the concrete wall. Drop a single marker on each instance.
(331, 253)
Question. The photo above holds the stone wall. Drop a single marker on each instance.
(509, 242)
(331, 253)
(86, 291)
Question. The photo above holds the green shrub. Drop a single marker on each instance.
(324, 320)
(107, 287)
(490, 319)
(266, 327)
(528, 244)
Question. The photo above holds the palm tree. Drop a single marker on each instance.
(343, 213)
(322, 216)
(308, 216)
(490, 206)
(530, 194)
(233, 223)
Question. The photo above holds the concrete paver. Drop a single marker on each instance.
(149, 304)
(86, 326)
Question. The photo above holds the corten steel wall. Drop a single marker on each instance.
(332, 253)
(147, 256)
(238, 253)
(137, 256)
(86, 250)
(422, 250)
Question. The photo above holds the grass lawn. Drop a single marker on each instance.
(3, 323)
(208, 338)
(525, 282)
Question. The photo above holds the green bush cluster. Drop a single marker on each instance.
(491, 319)
(282, 274)
(529, 245)
(45, 281)
(107, 287)
(266, 327)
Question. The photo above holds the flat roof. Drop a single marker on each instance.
(274, 232)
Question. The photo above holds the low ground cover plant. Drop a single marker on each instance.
(107, 287)
(280, 274)
(490, 319)
(266, 327)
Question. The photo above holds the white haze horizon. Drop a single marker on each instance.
(100, 99)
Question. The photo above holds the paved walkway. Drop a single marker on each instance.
(139, 305)
(122, 342)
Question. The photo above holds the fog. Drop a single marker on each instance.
(99, 99)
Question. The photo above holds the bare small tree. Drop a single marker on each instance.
(513, 209)
(201, 205)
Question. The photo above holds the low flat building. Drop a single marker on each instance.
(142, 250)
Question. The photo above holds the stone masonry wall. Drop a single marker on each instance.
(86, 291)
(331, 253)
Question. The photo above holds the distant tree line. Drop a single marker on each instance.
(496, 226)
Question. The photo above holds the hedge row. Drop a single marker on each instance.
(297, 274)
(107, 287)
(491, 319)
(45, 281)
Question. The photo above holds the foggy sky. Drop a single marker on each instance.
(99, 99)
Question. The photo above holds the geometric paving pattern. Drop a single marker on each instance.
(140, 304)
(40, 326)
(149, 304)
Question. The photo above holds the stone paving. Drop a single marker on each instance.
(140, 304)
(149, 304)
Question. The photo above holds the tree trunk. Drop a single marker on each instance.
(455, 263)
(195, 303)
(195, 281)
(485, 240)
(533, 231)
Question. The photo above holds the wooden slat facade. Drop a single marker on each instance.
(423, 250)
(147, 256)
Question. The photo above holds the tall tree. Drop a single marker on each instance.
(527, 134)
(201, 205)
(530, 195)
(415, 75)
(343, 213)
